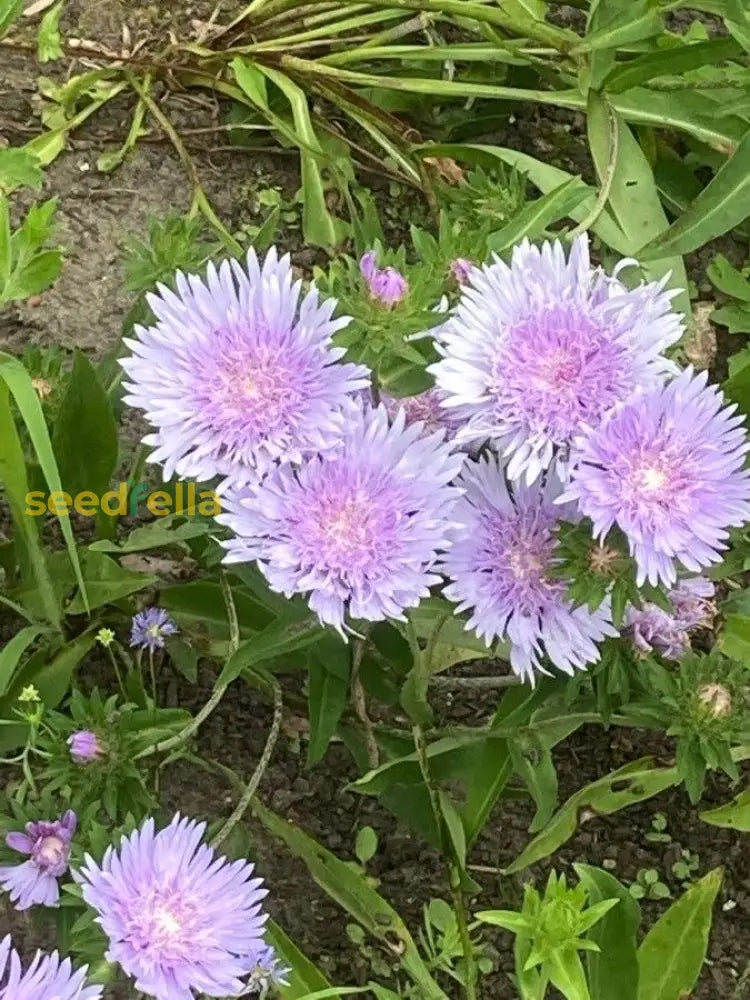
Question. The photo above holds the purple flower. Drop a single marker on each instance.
(461, 270)
(424, 408)
(538, 348)
(498, 567)
(386, 285)
(360, 529)
(668, 469)
(653, 629)
(84, 746)
(180, 918)
(238, 373)
(150, 628)
(46, 978)
(48, 845)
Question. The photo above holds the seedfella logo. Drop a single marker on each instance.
(126, 499)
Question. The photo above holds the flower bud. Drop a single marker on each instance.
(716, 700)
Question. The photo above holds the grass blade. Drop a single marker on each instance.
(19, 383)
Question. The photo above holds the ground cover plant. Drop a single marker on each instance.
(456, 488)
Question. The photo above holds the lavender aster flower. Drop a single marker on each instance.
(48, 845)
(668, 469)
(181, 920)
(84, 746)
(387, 285)
(498, 570)
(150, 628)
(360, 529)
(654, 629)
(538, 348)
(238, 373)
(47, 978)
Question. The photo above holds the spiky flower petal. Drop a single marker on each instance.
(238, 372)
(46, 978)
(538, 348)
(359, 529)
(668, 469)
(498, 568)
(181, 919)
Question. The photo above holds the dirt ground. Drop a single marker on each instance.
(85, 310)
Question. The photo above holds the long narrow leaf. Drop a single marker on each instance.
(18, 381)
(723, 204)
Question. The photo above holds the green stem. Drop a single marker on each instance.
(260, 770)
(459, 905)
(359, 704)
(219, 691)
(116, 666)
(606, 184)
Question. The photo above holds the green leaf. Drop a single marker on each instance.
(106, 582)
(735, 815)
(48, 38)
(12, 652)
(305, 976)
(534, 218)
(542, 175)
(613, 970)
(351, 890)
(633, 783)
(566, 973)
(366, 845)
(669, 62)
(633, 197)
(619, 23)
(85, 466)
(19, 168)
(9, 11)
(721, 205)
(728, 279)
(318, 225)
(276, 639)
(19, 383)
(328, 684)
(158, 534)
(735, 317)
(672, 953)
(735, 636)
(533, 763)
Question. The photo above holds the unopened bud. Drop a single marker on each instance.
(716, 699)
(602, 559)
(42, 387)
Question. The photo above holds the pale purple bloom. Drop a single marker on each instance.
(46, 978)
(239, 372)
(84, 746)
(47, 842)
(150, 628)
(536, 349)
(358, 529)
(668, 469)
(387, 285)
(461, 270)
(653, 629)
(424, 408)
(180, 918)
(498, 568)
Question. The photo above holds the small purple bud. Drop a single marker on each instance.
(461, 269)
(84, 746)
(387, 285)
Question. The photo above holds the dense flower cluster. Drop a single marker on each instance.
(551, 370)
(180, 919)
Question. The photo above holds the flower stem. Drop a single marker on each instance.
(260, 770)
(359, 704)
(118, 674)
(459, 905)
